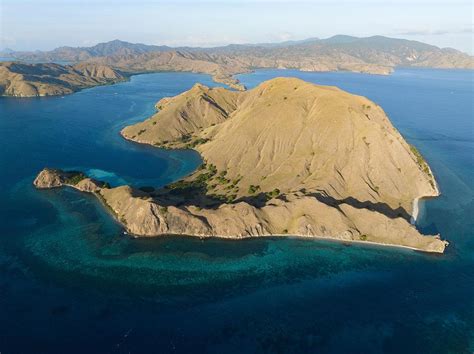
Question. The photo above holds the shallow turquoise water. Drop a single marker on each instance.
(70, 281)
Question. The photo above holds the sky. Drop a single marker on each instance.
(47, 24)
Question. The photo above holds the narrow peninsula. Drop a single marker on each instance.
(285, 158)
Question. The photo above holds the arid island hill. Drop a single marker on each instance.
(285, 158)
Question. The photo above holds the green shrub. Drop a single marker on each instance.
(253, 189)
(237, 180)
(75, 179)
(212, 168)
(185, 138)
(274, 193)
(196, 143)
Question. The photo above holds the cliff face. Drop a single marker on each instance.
(29, 80)
(286, 158)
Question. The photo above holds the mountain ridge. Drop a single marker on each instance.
(372, 55)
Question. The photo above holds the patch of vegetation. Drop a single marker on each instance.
(196, 142)
(420, 160)
(253, 189)
(237, 180)
(273, 194)
(212, 169)
(204, 177)
(363, 237)
(75, 179)
(163, 209)
(185, 138)
(422, 164)
(223, 180)
(141, 131)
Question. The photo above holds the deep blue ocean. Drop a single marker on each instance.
(71, 282)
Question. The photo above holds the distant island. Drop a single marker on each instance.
(287, 158)
(374, 55)
(30, 80)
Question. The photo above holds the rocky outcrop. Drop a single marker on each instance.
(53, 178)
(50, 178)
(30, 80)
(286, 158)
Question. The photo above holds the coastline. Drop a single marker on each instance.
(288, 236)
(418, 200)
(230, 80)
(109, 209)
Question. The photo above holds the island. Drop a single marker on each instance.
(286, 158)
(49, 79)
(109, 62)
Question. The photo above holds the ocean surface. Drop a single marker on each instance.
(72, 282)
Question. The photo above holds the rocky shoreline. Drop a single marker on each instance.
(142, 217)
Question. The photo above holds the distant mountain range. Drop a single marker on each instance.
(76, 54)
(375, 50)
(375, 55)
